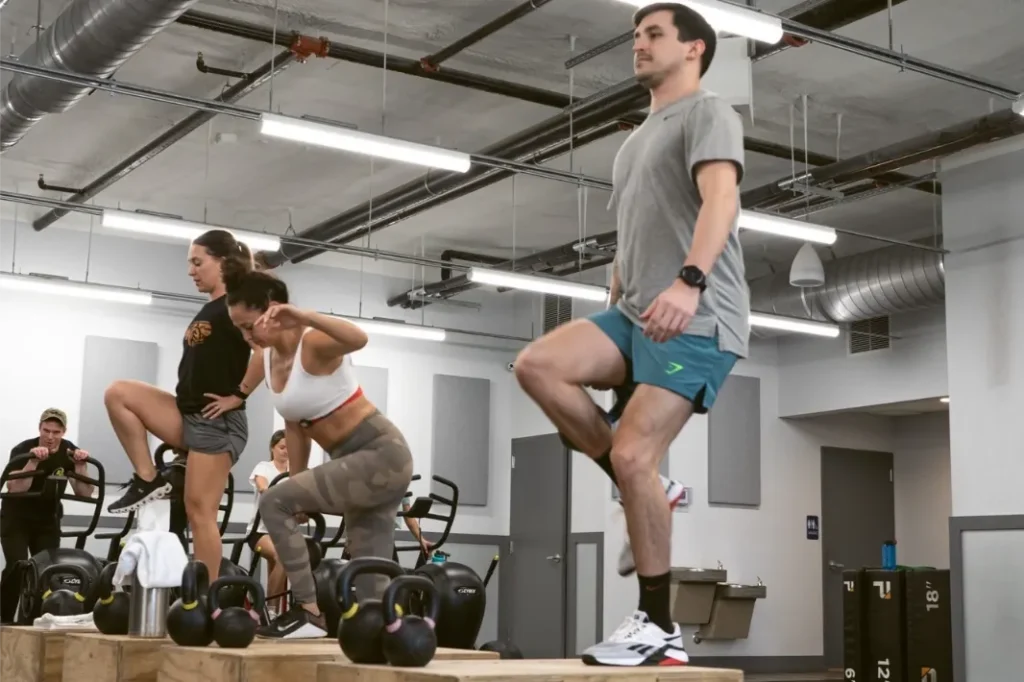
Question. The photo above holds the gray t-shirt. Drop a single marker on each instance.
(656, 200)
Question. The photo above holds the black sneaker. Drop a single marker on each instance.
(296, 623)
(140, 492)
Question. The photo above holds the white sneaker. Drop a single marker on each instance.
(674, 492)
(639, 642)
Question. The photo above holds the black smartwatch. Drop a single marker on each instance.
(694, 277)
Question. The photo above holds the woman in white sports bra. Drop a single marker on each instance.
(313, 386)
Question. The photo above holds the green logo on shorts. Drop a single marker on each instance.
(673, 367)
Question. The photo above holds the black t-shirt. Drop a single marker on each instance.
(44, 509)
(214, 358)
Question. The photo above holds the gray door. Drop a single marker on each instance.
(538, 530)
(857, 517)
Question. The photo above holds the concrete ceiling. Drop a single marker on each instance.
(226, 173)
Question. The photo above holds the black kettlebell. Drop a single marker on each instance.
(188, 621)
(362, 623)
(62, 601)
(111, 610)
(235, 627)
(410, 641)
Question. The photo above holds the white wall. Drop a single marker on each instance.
(41, 362)
(819, 375)
(921, 482)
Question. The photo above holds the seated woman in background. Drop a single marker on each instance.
(313, 386)
(263, 474)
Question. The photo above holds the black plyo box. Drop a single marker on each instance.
(885, 642)
(854, 669)
(929, 655)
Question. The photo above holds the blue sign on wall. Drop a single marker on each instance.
(812, 528)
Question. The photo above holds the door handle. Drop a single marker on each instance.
(555, 558)
(835, 566)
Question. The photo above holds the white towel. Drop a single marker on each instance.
(48, 621)
(156, 559)
(154, 516)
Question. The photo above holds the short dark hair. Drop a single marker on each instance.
(690, 25)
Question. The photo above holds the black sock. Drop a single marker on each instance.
(654, 600)
(605, 462)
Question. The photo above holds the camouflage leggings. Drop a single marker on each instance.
(365, 480)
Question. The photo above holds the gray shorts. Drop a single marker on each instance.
(226, 433)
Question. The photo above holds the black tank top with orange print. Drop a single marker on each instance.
(214, 357)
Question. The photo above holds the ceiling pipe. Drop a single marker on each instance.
(412, 67)
(886, 281)
(169, 137)
(454, 254)
(433, 61)
(377, 60)
(835, 14)
(930, 145)
(91, 37)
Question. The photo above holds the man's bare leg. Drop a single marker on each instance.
(652, 420)
(553, 370)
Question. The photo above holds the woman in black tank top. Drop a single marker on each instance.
(205, 416)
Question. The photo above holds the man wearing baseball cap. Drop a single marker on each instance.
(29, 525)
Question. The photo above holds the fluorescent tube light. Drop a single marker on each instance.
(60, 287)
(944, 400)
(544, 285)
(787, 227)
(789, 324)
(1018, 106)
(358, 142)
(407, 331)
(726, 18)
(181, 229)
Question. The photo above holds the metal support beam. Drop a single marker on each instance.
(433, 61)
(171, 136)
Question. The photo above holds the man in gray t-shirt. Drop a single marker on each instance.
(679, 316)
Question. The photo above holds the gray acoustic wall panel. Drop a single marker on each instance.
(374, 381)
(462, 437)
(734, 444)
(105, 361)
(259, 411)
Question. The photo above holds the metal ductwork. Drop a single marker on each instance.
(90, 37)
(892, 280)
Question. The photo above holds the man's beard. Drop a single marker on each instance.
(650, 80)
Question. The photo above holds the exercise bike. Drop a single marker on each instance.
(81, 565)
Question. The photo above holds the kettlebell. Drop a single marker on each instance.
(362, 623)
(410, 641)
(111, 610)
(62, 601)
(235, 627)
(188, 621)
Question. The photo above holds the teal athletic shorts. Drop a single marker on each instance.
(690, 366)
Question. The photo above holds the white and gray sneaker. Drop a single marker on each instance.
(639, 642)
(295, 623)
(674, 492)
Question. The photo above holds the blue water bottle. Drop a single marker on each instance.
(438, 557)
(889, 556)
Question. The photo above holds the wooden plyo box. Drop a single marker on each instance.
(523, 670)
(30, 654)
(111, 658)
(266, 661)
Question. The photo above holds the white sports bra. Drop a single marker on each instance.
(307, 398)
